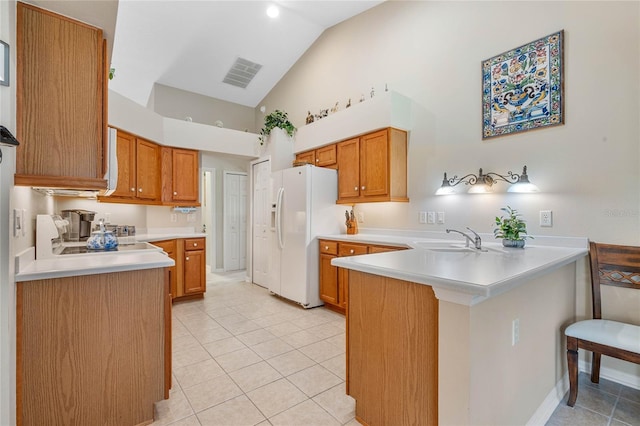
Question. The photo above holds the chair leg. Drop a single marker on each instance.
(595, 368)
(572, 363)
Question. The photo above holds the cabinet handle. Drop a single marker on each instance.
(139, 189)
(355, 189)
(186, 258)
(133, 190)
(363, 187)
(195, 244)
(352, 251)
(317, 160)
(175, 193)
(326, 247)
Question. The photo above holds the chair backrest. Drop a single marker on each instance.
(612, 265)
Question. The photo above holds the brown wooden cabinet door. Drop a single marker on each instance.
(194, 271)
(326, 156)
(306, 157)
(374, 164)
(348, 155)
(170, 247)
(147, 170)
(126, 154)
(185, 175)
(61, 101)
(328, 280)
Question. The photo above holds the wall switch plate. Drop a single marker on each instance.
(441, 217)
(360, 217)
(431, 217)
(515, 331)
(546, 218)
(174, 217)
(18, 222)
(423, 217)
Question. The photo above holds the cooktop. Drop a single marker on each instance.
(121, 247)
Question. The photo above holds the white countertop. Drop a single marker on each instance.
(169, 235)
(28, 269)
(466, 277)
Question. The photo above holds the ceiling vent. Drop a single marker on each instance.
(241, 73)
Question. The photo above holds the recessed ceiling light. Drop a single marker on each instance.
(273, 11)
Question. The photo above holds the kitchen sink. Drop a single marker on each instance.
(448, 246)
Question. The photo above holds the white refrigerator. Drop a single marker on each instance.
(303, 207)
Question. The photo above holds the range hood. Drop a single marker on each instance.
(111, 176)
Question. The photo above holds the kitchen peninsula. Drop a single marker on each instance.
(93, 337)
(444, 334)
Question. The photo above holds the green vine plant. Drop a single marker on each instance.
(511, 227)
(276, 119)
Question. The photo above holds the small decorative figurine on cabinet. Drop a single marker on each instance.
(309, 117)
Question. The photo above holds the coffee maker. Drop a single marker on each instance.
(79, 224)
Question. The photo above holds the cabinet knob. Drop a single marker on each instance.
(352, 251)
(195, 244)
(355, 189)
(133, 190)
(326, 247)
(186, 258)
(175, 193)
(363, 187)
(317, 160)
(139, 189)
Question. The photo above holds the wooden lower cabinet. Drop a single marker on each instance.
(188, 276)
(392, 351)
(334, 281)
(90, 350)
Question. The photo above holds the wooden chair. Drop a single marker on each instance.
(610, 265)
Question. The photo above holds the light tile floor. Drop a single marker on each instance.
(244, 357)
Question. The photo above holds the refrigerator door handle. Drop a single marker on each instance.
(279, 218)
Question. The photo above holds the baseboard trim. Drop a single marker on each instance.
(548, 406)
(617, 376)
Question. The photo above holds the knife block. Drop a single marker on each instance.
(352, 227)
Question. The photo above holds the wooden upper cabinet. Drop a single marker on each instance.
(348, 154)
(138, 171)
(61, 101)
(321, 157)
(147, 170)
(373, 167)
(180, 176)
(126, 154)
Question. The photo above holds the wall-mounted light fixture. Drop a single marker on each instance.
(482, 182)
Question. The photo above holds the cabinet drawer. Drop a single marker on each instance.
(194, 244)
(345, 249)
(383, 249)
(328, 247)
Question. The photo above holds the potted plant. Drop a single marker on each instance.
(512, 229)
(276, 119)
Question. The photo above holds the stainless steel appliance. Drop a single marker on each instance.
(79, 224)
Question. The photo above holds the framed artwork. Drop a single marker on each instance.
(4, 63)
(522, 89)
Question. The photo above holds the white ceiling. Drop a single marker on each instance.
(190, 45)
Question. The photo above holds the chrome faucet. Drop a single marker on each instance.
(477, 242)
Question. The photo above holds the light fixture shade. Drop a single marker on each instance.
(445, 190)
(479, 188)
(523, 188)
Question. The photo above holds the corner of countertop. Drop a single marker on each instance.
(24, 259)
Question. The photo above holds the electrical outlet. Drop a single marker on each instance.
(440, 217)
(107, 218)
(515, 331)
(546, 218)
(174, 217)
(431, 217)
(423, 217)
(360, 217)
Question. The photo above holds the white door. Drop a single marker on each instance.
(208, 204)
(261, 222)
(234, 217)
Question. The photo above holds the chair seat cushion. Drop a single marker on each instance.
(610, 333)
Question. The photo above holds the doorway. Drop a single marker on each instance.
(208, 205)
(234, 221)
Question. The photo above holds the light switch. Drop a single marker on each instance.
(440, 217)
(431, 217)
(18, 222)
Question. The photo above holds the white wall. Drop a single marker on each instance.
(431, 51)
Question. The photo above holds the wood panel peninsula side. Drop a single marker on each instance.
(93, 349)
(429, 333)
